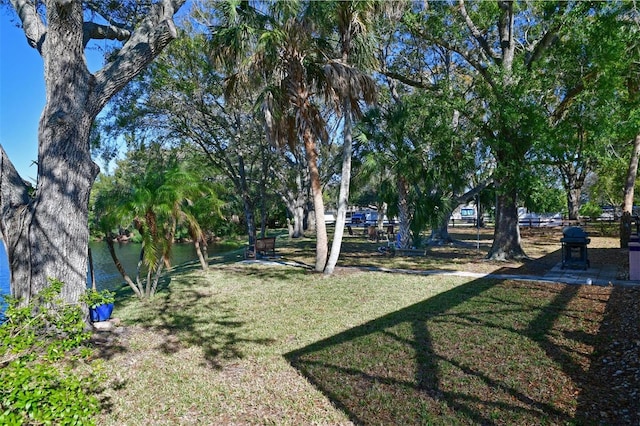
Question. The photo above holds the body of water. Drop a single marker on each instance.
(4, 270)
(106, 274)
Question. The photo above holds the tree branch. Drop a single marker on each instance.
(93, 31)
(471, 193)
(13, 190)
(482, 41)
(571, 95)
(146, 42)
(97, 8)
(409, 81)
(538, 48)
(34, 28)
(466, 55)
(14, 199)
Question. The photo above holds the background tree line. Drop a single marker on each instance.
(275, 108)
(523, 102)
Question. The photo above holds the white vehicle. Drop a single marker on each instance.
(464, 213)
(528, 219)
(330, 218)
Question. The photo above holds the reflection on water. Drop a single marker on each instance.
(4, 270)
(107, 276)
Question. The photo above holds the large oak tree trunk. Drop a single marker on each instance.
(573, 177)
(573, 202)
(506, 237)
(629, 191)
(440, 233)
(298, 220)
(295, 207)
(295, 199)
(58, 232)
(59, 225)
(47, 236)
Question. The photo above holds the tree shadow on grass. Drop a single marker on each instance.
(192, 317)
(612, 388)
(487, 352)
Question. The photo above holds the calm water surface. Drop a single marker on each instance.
(4, 270)
(107, 276)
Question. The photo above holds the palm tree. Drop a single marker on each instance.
(351, 21)
(389, 145)
(156, 202)
(275, 49)
(190, 199)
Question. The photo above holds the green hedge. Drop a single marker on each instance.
(45, 368)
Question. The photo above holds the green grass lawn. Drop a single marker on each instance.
(281, 345)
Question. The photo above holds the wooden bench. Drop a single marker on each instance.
(262, 246)
(267, 244)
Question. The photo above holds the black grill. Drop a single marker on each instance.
(574, 247)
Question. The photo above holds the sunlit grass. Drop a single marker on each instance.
(263, 344)
(212, 345)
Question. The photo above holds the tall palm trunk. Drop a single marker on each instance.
(200, 245)
(322, 242)
(204, 256)
(404, 233)
(343, 197)
(136, 288)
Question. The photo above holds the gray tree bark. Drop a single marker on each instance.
(47, 236)
(322, 241)
(574, 175)
(404, 215)
(629, 191)
(295, 202)
(440, 234)
(247, 201)
(573, 202)
(632, 174)
(507, 243)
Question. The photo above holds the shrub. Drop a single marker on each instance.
(95, 298)
(590, 210)
(44, 369)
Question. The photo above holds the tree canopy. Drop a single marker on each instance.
(534, 100)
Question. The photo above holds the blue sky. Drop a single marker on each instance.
(21, 97)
